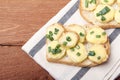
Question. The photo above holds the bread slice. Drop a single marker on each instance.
(81, 54)
(89, 15)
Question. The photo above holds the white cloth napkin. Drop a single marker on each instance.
(36, 49)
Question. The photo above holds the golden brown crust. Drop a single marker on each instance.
(86, 62)
(102, 25)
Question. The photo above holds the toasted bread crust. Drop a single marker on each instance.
(84, 13)
(84, 63)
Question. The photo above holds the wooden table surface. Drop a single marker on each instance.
(19, 20)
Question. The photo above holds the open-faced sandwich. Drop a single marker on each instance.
(83, 46)
(104, 13)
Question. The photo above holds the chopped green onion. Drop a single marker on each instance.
(58, 50)
(68, 38)
(98, 57)
(81, 34)
(91, 32)
(56, 31)
(98, 14)
(47, 36)
(49, 49)
(51, 38)
(103, 18)
(50, 33)
(86, 3)
(105, 0)
(64, 43)
(98, 36)
(91, 53)
(58, 46)
(93, 1)
(53, 51)
(104, 11)
(103, 33)
(78, 47)
(78, 54)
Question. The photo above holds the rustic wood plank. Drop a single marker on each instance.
(20, 19)
(16, 65)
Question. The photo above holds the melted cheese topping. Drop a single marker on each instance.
(118, 2)
(91, 6)
(78, 29)
(100, 54)
(77, 54)
(109, 2)
(53, 44)
(108, 16)
(52, 29)
(73, 39)
(117, 15)
(96, 35)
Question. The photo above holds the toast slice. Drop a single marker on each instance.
(106, 20)
(87, 54)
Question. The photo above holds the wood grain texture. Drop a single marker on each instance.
(16, 65)
(22, 18)
(19, 20)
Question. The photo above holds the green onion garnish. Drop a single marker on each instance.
(93, 1)
(50, 33)
(78, 54)
(91, 53)
(64, 43)
(103, 33)
(81, 34)
(56, 50)
(56, 31)
(86, 3)
(49, 49)
(91, 32)
(98, 57)
(51, 38)
(98, 36)
(53, 51)
(58, 46)
(104, 11)
(106, 1)
(68, 38)
(47, 36)
(103, 18)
